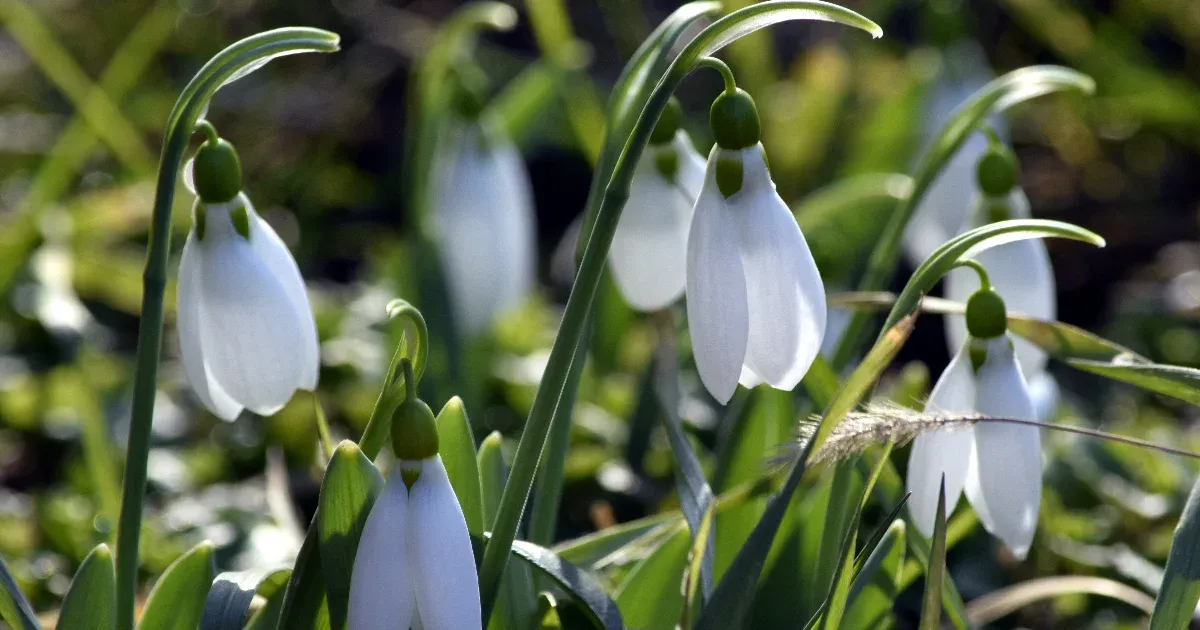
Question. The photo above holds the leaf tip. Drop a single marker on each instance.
(347, 448)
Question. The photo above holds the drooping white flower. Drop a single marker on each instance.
(247, 335)
(649, 249)
(1019, 271)
(414, 566)
(483, 218)
(755, 300)
(997, 465)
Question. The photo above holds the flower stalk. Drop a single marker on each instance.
(227, 65)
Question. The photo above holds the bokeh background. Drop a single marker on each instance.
(85, 89)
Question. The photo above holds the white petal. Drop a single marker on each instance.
(1005, 480)
(275, 255)
(483, 217)
(1020, 271)
(249, 327)
(946, 451)
(716, 292)
(785, 295)
(446, 587)
(648, 255)
(749, 379)
(381, 589)
(187, 323)
(1044, 390)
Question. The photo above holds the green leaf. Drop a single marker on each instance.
(695, 565)
(695, 495)
(267, 617)
(492, 474)
(650, 596)
(759, 16)
(935, 577)
(588, 549)
(579, 584)
(516, 605)
(456, 445)
(1180, 589)
(754, 436)
(731, 602)
(1011, 89)
(178, 597)
(874, 589)
(304, 599)
(91, 601)
(351, 485)
(14, 608)
(232, 592)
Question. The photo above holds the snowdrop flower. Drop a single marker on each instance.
(246, 330)
(414, 566)
(947, 202)
(997, 465)
(483, 218)
(1020, 271)
(649, 249)
(755, 300)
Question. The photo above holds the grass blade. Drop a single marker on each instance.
(931, 608)
(1180, 590)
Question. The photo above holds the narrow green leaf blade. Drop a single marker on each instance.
(874, 589)
(456, 444)
(931, 608)
(742, 22)
(14, 608)
(232, 592)
(579, 584)
(91, 601)
(650, 596)
(351, 485)
(304, 598)
(177, 599)
(1176, 602)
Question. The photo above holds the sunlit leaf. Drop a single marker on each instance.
(348, 492)
(91, 601)
(456, 445)
(232, 593)
(931, 603)
(178, 597)
(1180, 591)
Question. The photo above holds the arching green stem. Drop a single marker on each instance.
(229, 64)
(720, 66)
(984, 282)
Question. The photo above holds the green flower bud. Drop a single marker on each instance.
(217, 172)
(668, 123)
(734, 120)
(997, 170)
(986, 314)
(414, 431)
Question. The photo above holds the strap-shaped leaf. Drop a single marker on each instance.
(232, 592)
(14, 608)
(178, 598)
(581, 585)
(91, 602)
(935, 576)
(456, 444)
(1181, 583)
(348, 492)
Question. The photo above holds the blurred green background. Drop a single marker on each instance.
(85, 88)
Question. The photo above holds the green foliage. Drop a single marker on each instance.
(178, 597)
(91, 601)
(351, 485)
